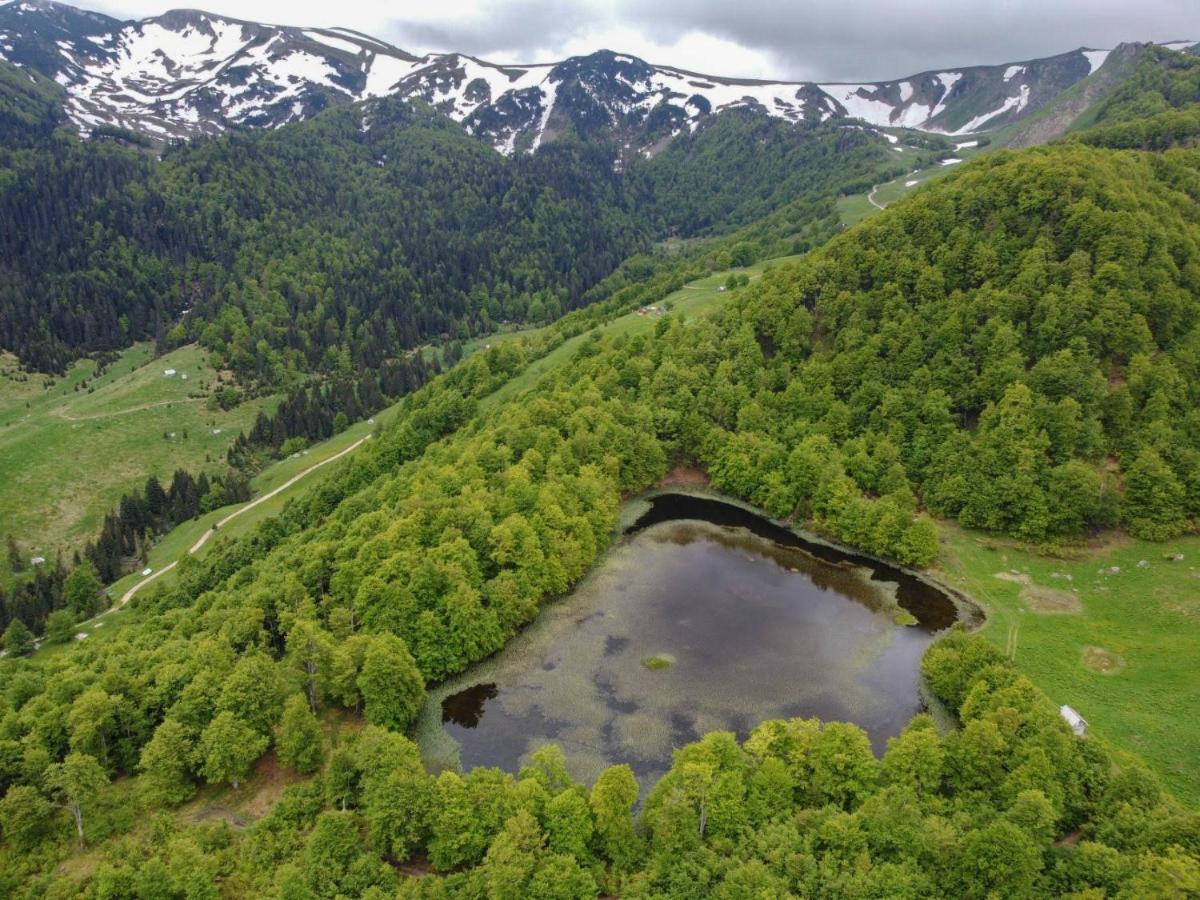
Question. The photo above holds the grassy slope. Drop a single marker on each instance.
(175, 543)
(1149, 617)
(66, 456)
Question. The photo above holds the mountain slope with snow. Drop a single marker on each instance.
(189, 72)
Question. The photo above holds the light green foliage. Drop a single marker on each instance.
(166, 764)
(568, 824)
(18, 639)
(82, 591)
(518, 865)
(391, 686)
(24, 817)
(60, 627)
(310, 653)
(228, 747)
(253, 692)
(300, 742)
(1156, 501)
(612, 800)
(915, 757)
(398, 807)
(91, 723)
(76, 783)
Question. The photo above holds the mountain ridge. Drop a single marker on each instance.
(189, 72)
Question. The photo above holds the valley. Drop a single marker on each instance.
(430, 478)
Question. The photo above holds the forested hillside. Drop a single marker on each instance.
(1157, 107)
(335, 244)
(1014, 346)
(1014, 349)
(742, 166)
(328, 245)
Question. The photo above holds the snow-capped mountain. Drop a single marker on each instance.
(189, 72)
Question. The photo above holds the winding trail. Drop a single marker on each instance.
(128, 595)
(60, 411)
(871, 196)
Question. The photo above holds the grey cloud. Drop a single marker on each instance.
(877, 40)
(825, 40)
(512, 29)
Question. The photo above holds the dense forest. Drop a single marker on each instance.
(743, 166)
(336, 244)
(316, 411)
(327, 246)
(1011, 347)
(1157, 107)
(1015, 347)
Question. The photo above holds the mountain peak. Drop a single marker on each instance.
(189, 71)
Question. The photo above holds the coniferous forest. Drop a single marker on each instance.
(1013, 349)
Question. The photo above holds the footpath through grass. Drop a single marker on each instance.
(853, 208)
(67, 455)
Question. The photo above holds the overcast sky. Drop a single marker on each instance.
(797, 40)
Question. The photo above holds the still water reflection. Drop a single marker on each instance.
(706, 617)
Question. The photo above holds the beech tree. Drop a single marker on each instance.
(18, 639)
(24, 816)
(1154, 499)
(391, 685)
(228, 748)
(166, 765)
(76, 782)
(310, 653)
(612, 800)
(60, 627)
(82, 590)
(301, 741)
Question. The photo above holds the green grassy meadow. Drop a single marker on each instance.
(1123, 653)
(67, 454)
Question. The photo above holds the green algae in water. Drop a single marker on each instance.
(904, 617)
(658, 662)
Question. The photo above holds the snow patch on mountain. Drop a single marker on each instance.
(1095, 58)
(335, 42)
(1012, 104)
(188, 72)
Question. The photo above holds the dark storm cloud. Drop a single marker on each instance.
(874, 39)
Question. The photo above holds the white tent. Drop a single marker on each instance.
(1077, 722)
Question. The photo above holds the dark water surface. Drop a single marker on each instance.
(755, 622)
